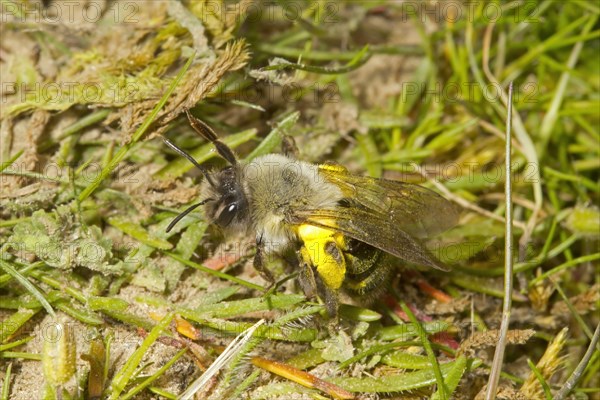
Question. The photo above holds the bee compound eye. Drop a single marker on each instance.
(227, 214)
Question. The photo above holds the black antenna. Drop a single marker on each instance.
(191, 159)
(209, 134)
(186, 212)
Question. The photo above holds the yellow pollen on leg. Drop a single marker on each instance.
(317, 241)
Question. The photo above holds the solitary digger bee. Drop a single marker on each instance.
(338, 229)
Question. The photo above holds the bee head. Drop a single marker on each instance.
(227, 204)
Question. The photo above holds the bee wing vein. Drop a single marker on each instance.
(419, 211)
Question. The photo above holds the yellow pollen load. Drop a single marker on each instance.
(317, 241)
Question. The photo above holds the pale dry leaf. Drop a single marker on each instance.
(490, 338)
(583, 303)
(197, 84)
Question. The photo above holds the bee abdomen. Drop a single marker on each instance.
(368, 269)
(371, 283)
(361, 257)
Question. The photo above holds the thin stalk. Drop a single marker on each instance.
(578, 373)
(508, 264)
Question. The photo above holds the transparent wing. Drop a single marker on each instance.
(416, 210)
(389, 215)
(372, 229)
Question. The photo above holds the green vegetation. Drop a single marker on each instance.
(414, 91)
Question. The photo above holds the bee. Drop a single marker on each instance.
(340, 230)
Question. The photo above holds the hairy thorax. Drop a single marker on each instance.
(278, 186)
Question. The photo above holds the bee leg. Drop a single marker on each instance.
(312, 283)
(259, 263)
(288, 146)
(329, 297)
(306, 278)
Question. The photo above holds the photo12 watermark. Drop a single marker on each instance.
(69, 12)
(454, 11)
(55, 93)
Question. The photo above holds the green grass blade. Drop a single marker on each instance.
(6, 385)
(454, 376)
(9, 326)
(217, 274)
(137, 232)
(123, 376)
(273, 139)
(27, 285)
(357, 61)
(569, 264)
(540, 379)
(16, 343)
(14, 158)
(154, 376)
(442, 389)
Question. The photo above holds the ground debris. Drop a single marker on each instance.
(480, 340)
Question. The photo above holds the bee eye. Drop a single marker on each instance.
(227, 215)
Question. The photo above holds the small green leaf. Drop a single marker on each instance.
(336, 348)
(358, 313)
(453, 377)
(393, 383)
(402, 359)
(228, 309)
(585, 221)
